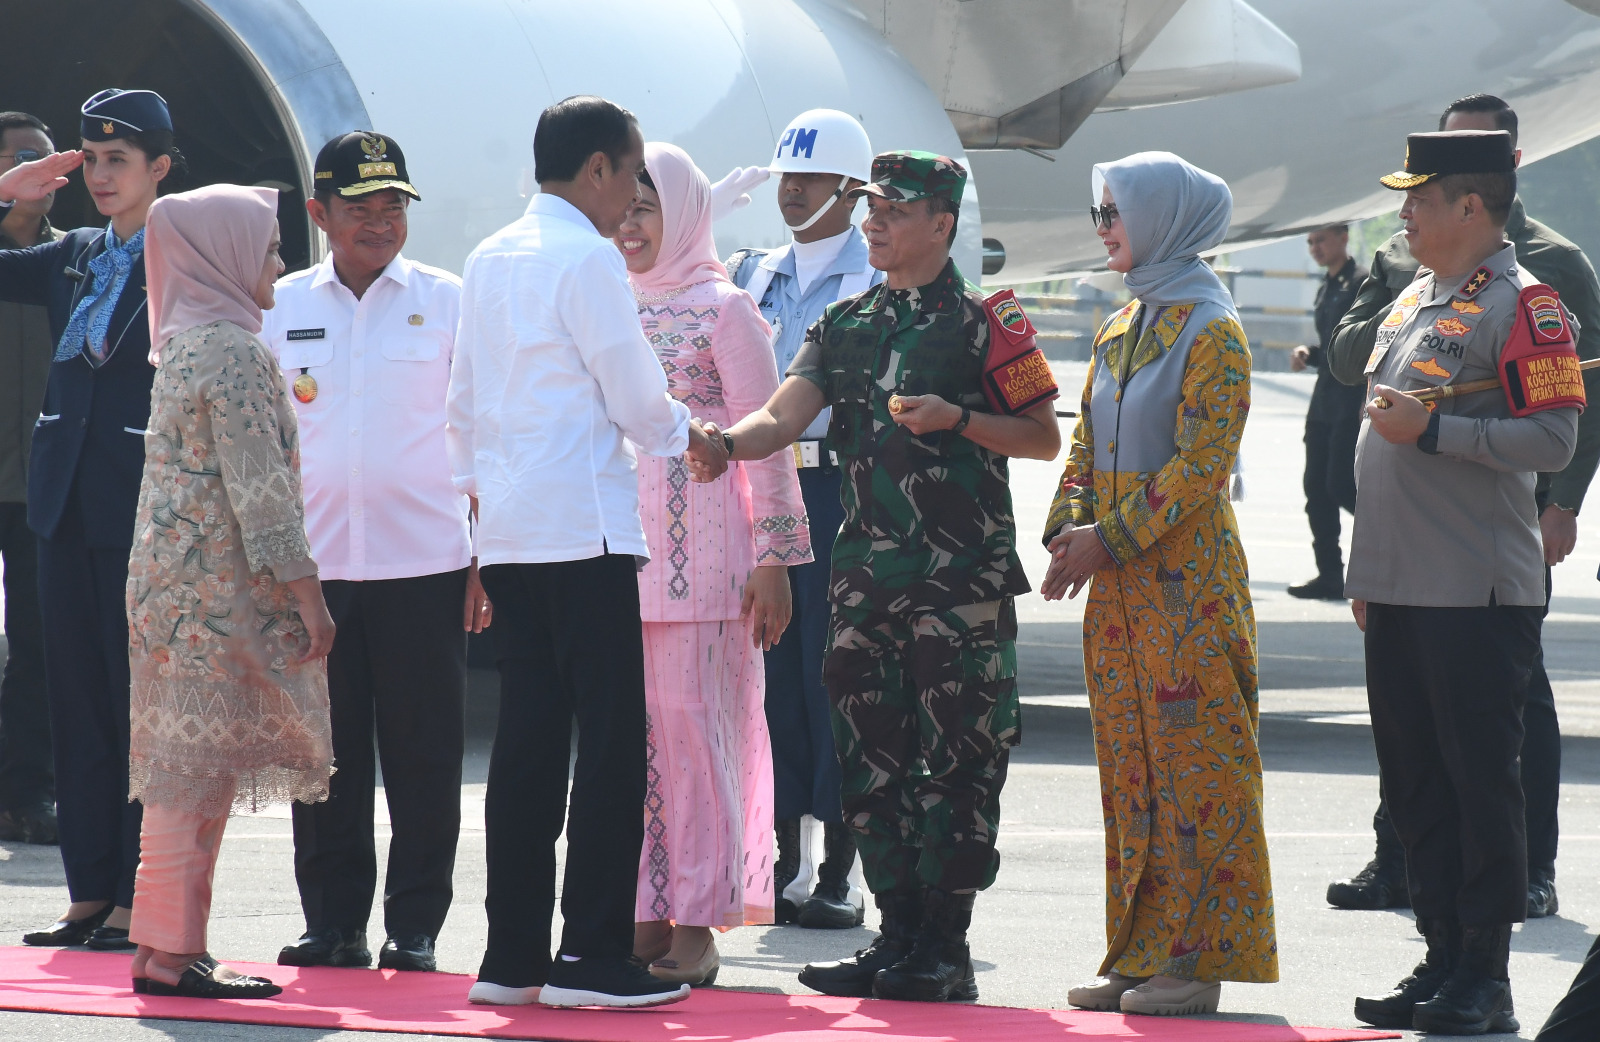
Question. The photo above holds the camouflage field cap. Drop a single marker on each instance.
(908, 176)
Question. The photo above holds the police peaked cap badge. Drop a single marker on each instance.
(908, 176)
(1445, 152)
(360, 163)
(114, 113)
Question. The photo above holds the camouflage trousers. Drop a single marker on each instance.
(925, 712)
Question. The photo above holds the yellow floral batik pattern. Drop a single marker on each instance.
(1170, 662)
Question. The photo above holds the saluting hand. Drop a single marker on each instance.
(1403, 421)
(30, 182)
(924, 413)
(707, 454)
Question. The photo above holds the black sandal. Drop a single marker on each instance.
(199, 982)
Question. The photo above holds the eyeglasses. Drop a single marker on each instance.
(1103, 216)
(25, 155)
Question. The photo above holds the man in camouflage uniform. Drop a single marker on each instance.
(932, 389)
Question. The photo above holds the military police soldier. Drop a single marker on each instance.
(821, 155)
(1553, 260)
(1447, 570)
(932, 388)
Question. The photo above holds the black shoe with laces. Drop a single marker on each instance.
(1322, 588)
(1396, 1009)
(596, 980)
(785, 869)
(852, 977)
(330, 946)
(1379, 885)
(939, 966)
(408, 952)
(1542, 900)
(1476, 1000)
(35, 823)
(829, 907)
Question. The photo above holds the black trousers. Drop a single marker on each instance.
(1540, 767)
(27, 777)
(1576, 1017)
(1329, 484)
(81, 602)
(568, 639)
(1446, 688)
(805, 764)
(397, 672)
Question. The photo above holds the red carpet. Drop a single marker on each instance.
(49, 980)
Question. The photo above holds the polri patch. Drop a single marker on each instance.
(307, 334)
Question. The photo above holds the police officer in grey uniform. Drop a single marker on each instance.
(1447, 568)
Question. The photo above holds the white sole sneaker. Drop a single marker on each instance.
(1103, 993)
(1194, 997)
(484, 993)
(570, 997)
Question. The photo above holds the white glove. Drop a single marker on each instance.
(733, 191)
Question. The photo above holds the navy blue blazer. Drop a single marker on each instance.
(88, 443)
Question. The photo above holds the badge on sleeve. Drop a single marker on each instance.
(1016, 376)
(1539, 364)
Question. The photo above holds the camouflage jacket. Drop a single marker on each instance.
(927, 520)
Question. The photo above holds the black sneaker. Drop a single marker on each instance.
(599, 981)
(1542, 898)
(1322, 588)
(1376, 886)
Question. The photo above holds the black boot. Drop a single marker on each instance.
(829, 906)
(939, 968)
(1477, 998)
(852, 977)
(785, 869)
(1395, 1009)
(1382, 884)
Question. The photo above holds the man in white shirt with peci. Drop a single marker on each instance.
(365, 340)
(552, 382)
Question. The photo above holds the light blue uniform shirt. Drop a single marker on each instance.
(791, 313)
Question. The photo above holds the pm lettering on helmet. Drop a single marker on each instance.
(800, 139)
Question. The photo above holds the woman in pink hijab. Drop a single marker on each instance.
(715, 594)
(227, 625)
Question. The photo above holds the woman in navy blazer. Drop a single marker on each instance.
(83, 486)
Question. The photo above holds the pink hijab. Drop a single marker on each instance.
(203, 253)
(688, 253)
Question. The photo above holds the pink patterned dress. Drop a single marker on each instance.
(707, 857)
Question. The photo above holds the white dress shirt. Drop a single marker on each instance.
(553, 378)
(380, 503)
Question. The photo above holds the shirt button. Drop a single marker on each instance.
(355, 470)
(356, 392)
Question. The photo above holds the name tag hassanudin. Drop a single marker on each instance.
(308, 334)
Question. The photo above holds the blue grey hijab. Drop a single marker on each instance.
(1172, 211)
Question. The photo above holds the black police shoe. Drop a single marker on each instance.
(1379, 885)
(1395, 1010)
(68, 932)
(939, 968)
(852, 977)
(1476, 1000)
(1322, 588)
(784, 870)
(109, 939)
(32, 824)
(330, 946)
(599, 981)
(412, 951)
(1542, 900)
(829, 907)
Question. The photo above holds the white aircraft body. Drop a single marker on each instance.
(1299, 104)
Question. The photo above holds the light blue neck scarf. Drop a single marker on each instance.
(110, 273)
(1171, 212)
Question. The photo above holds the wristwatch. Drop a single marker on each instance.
(961, 424)
(727, 443)
(1428, 440)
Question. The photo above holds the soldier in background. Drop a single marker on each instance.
(1553, 260)
(932, 388)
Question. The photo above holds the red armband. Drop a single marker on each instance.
(1539, 363)
(1016, 376)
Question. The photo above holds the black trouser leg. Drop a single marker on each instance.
(806, 774)
(1576, 1017)
(335, 863)
(1390, 850)
(1541, 764)
(81, 603)
(418, 653)
(27, 777)
(568, 638)
(1322, 511)
(1446, 688)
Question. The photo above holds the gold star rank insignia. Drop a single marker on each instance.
(1473, 285)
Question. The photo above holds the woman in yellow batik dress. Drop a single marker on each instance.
(1142, 518)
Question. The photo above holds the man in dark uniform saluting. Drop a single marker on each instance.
(932, 388)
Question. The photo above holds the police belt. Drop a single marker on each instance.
(808, 452)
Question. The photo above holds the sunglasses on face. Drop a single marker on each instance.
(1103, 216)
(24, 155)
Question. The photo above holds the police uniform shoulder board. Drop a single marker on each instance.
(1016, 376)
(1539, 366)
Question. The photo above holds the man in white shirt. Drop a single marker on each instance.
(553, 379)
(822, 155)
(365, 340)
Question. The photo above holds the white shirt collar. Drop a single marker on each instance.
(555, 206)
(397, 271)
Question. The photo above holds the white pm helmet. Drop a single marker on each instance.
(824, 141)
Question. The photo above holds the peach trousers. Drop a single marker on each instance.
(172, 890)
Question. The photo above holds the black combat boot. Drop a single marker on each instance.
(1477, 998)
(785, 869)
(939, 968)
(852, 977)
(1395, 1009)
(829, 906)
